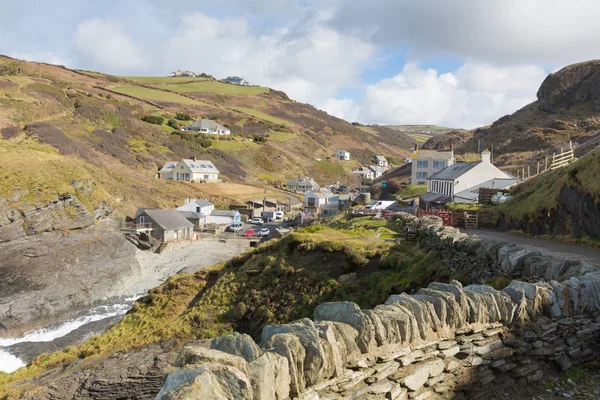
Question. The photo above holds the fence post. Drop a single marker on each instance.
(523, 173)
(528, 173)
(546, 167)
(538, 168)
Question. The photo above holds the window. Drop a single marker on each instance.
(438, 164)
(206, 176)
(422, 164)
(311, 202)
(210, 166)
(422, 175)
(202, 165)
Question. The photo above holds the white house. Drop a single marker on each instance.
(224, 217)
(380, 161)
(428, 162)
(208, 127)
(365, 173)
(197, 211)
(314, 201)
(460, 182)
(342, 155)
(377, 171)
(302, 185)
(236, 80)
(189, 170)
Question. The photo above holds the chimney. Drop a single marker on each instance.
(452, 147)
(486, 156)
(193, 158)
(187, 200)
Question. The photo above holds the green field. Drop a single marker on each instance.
(231, 145)
(282, 136)
(419, 137)
(154, 95)
(211, 86)
(163, 79)
(261, 115)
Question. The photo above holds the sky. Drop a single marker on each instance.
(460, 63)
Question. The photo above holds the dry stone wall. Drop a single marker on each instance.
(446, 341)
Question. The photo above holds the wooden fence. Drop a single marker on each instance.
(562, 159)
(457, 219)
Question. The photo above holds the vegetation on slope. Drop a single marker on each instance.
(277, 282)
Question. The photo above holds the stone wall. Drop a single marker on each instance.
(484, 259)
(443, 342)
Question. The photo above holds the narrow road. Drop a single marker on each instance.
(544, 246)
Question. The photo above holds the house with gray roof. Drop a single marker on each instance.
(302, 185)
(460, 182)
(197, 211)
(208, 127)
(189, 170)
(166, 225)
(224, 217)
(380, 161)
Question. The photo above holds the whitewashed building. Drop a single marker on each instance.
(189, 170)
(208, 127)
(197, 211)
(380, 161)
(460, 182)
(342, 155)
(302, 185)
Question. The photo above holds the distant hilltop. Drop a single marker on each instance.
(234, 80)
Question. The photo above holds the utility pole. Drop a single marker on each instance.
(492, 156)
(546, 166)
(479, 146)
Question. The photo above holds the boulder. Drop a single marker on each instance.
(351, 314)
(211, 381)
(270, 377)
(415, 376)
(195, 354)
(238, 344)
(288, 346)
(308, 335)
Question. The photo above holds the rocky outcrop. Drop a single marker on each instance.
(577, 83)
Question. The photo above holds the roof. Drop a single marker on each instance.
(435, 198)
(203, 203)
(376, 168)
(302, 181)
(453, 171)
(190, 215)
(168, 220)
(380, 158)
(472, 193)
(141, 210)
(168, 167)
(342, 151)
(440, 155)
(317, 194)
(224, 213)
(205, 124)
(201, 166)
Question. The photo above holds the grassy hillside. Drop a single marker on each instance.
(277, 282)
(93, 120)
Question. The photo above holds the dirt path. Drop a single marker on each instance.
(545, 246)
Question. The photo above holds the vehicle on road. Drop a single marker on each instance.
(236, 227)
(249, 233)
(264, 232)
(255, 221)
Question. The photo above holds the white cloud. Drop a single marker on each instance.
(105, 44)
(46, 57)
(474, 95)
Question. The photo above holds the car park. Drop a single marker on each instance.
(236, 227)
(255, 221)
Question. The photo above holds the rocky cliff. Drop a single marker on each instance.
(444, 342)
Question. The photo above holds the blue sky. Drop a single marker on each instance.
(463, 63)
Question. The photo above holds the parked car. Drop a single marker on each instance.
(236, 227)
(264, 232)
(255, 221)
(249, 233)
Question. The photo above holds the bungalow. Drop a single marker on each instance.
(342, 155)
(365, 173)
(208, 127)
(166, 225)
(189, 170)
(302, 185)
(224, 217)
(460, 182)
(380, 161)
(197, 211)
(428, 162)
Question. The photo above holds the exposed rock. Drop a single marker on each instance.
(237, 344)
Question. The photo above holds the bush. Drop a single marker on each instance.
(259, 139)
(182, 116)
(9, 69)
(173, 124)
(153, 119)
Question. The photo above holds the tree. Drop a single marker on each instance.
(182, 116)
(173, 124)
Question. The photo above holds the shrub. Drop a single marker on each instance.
(182, 116)
(11, 68)
(153, 119)
(173, 124)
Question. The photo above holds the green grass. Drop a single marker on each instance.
(419, 137)
(159, 80)
(282, 136)
(154, 95)
(261, 115)
(229, 146)
(211, 86)
(411, 191)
